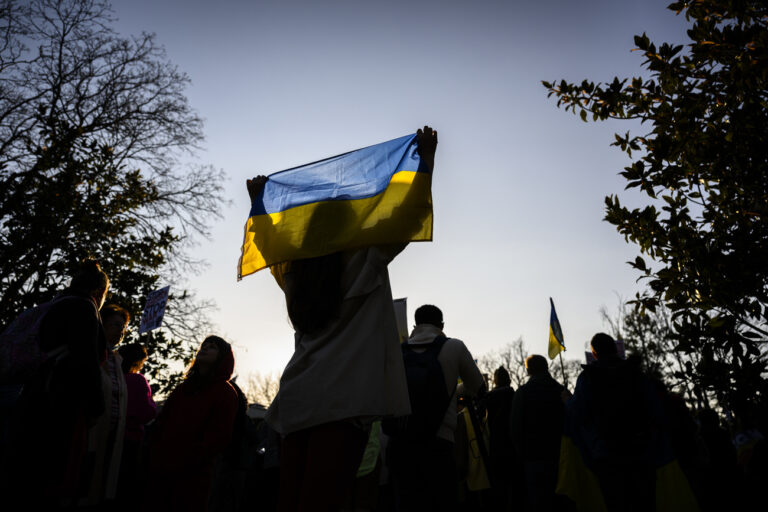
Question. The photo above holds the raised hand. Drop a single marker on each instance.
(427, 140)
(255, 186)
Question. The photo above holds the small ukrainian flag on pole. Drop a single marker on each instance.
(556, 343)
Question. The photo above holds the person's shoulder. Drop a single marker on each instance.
(454, 347)
(501, 394)
(584, 375)
(70, 302)
(554, 384)
(136, 378)
(225, 390)
(384, 254)
(522, 388)
(229, 397)
(455, 342)
(458, 348)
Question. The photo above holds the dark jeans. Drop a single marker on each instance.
(423, 475)
(540, 484)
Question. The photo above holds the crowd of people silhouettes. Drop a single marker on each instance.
(361, 421)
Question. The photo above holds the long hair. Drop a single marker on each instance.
(133, 354)
(114, 310)
(195, 380)
(501, 377)
(90, 277)
(313, 293)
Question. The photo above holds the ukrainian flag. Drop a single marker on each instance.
(556, 343)
(376, 195)
(581, 442)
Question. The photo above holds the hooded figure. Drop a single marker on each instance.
(193, 428)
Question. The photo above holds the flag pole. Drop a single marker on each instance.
(562, 368)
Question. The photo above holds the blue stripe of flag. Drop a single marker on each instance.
(357, 174)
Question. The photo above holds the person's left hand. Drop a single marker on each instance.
(255, 186)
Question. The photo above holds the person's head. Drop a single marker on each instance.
(114, 319)
(603, 346)
(214, 361)
(134, 356)
(328, 225)
(501, 378)
(313, 292)
(90, 279)
(536, 365)
(429, 314)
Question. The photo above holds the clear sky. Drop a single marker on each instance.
(519, 185)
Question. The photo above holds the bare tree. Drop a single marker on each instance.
(650, 335)
(512, 357)
(261, 388)
(571, 368)
(95, 138)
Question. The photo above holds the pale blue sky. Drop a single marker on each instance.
(518, 186)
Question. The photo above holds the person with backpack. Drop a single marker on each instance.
(47, 463)
(421, 453)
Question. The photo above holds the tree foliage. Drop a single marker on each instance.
(703, 166)
(95, 139)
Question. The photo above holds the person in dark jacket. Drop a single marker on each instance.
(193, 428)
(503, 474)
(231, 466)
(536, 425)
(48, 464)
(620, 421)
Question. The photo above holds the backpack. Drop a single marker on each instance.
(20, 352)
(426, 391)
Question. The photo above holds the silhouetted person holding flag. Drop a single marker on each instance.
(346, 370)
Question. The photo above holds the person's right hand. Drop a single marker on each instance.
(255, 186)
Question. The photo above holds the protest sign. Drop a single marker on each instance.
(401, 316)
(154, 309)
